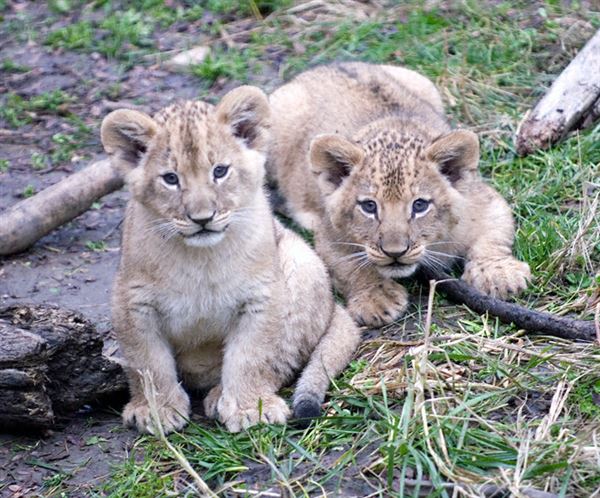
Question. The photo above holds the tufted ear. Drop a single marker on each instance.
(246, 111)
(126, 134)
(456, 153)
(332, 158)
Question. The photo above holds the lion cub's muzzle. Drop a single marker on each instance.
(203, 230)
(395, 262)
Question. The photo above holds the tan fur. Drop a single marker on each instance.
(211, 289)
(348, 134)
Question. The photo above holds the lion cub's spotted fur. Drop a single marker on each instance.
(365, 157)
(211, 289)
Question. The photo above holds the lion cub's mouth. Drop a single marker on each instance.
(204, 237)
(397, 269)
(203, 233)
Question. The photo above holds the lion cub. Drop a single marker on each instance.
(211, 289)
(366, 159)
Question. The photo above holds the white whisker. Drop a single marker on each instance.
(353, 256)
(445, 254)
(364, 264)
(362, 246)
(443, 243)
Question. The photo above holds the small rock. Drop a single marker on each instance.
(185, 59)
(577, 32)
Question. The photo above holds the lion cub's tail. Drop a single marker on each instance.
(333, 352)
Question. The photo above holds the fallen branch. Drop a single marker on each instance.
(534, 322)
(572, 102)
(29, 220)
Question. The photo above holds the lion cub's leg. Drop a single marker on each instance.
(377, 302)
(253, 372)
(490, 266)
(333, 352)
(151, 369)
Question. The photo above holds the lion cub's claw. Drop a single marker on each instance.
(379, 305)
(498, 277)
(211, 401)
(272, 410)
(173, 415)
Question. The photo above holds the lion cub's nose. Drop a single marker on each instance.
(201, 218)
(394, 252)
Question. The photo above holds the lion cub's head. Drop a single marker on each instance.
(195, 166)
(393, 193)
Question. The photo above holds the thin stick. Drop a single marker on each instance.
(534, 322)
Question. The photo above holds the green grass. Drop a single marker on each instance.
(28, 191)
(220, 63)
(126, 34)
(11, 66)
(17, 111)
(96, 245)
(478, 402)
(122, 35)
(447, 411)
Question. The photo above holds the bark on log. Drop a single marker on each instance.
(572, 102)
(534, 322)
(51, 364)
(29, 220)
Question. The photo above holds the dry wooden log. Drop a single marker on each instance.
(534, 322)
(29, 220)
(572, 102)
(51, 364)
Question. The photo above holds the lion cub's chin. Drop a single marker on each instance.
(397, 271)
(204, 239)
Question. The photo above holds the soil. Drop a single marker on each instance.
(80, 455)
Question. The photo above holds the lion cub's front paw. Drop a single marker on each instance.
(173, 414)
(271, 409)
(499, 277)
(379, 305)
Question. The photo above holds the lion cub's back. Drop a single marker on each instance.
(344, 97)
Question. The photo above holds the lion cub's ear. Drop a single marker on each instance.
(126, 134)
(332, 158)
(456, 153)
(246, 111)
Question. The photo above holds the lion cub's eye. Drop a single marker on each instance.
(220, 171)
(170, 179)
(420, 206)
(368, 206)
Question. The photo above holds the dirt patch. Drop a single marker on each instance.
(79, 457)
